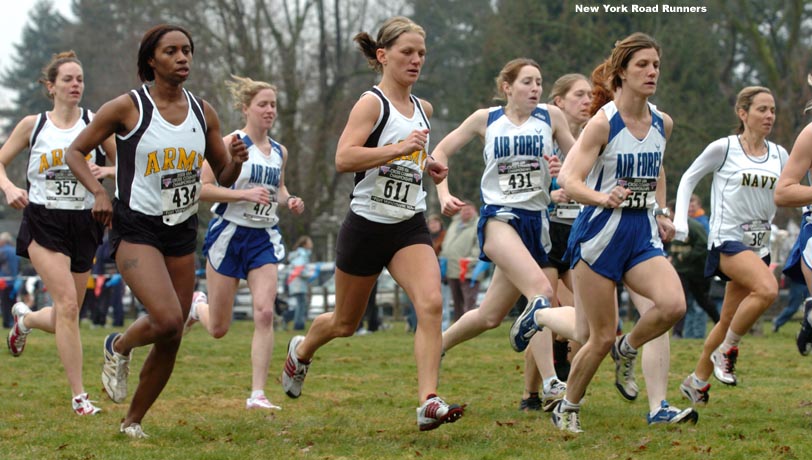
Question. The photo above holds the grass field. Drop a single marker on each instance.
(359, 403)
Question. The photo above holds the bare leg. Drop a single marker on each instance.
(164, 285)
(752, 290)
(67, 291)
(423, 288)
(216, 315)
(262, 282)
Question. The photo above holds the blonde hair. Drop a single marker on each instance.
(387, 35)
(510, 72)
(564, 84)
(606, 77)
(745, 99)
(243, 90)
(51, 70)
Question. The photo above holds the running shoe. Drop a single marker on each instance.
(531, 403)
(84, 406)
(562, 365)
(115, 371)
(693, 393)
(434, 412)
(525, 327)
(295, 371)
(724, 365)
(672, 415)
(16, 336)
(804, 337)
(551, 397)
(260, 402)
(624, 372)
(134, 430)
(197, 298)
(566, 420)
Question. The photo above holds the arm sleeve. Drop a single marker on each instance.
(709, 160)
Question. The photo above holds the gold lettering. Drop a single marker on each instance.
(152, 164)
(169, 158)
(57, 155)
(185, 161)
(43, 163)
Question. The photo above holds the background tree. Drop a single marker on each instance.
(305, 47)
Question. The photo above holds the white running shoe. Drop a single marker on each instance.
(115, 371)
(16, 336)
(197, 298)
(434, 412)
(724, 365)
(295, 371)
(134, 431)
(551, 397)
(84, 406)
(260, 402)
(624, 372)
(693, 393)
(566, 420)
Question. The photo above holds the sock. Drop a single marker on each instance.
(548, 381)
(697, 382)
(257, 393)
(626, 349)
(21, 325)
(731, 340)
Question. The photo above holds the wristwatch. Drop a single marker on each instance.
(662, 212)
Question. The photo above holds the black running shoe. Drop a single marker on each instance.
(804, 337)
(531, 403)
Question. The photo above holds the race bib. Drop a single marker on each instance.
(523, 176)
(756, 234)
(179, 196)
(396, 190)
(569, 210)
(265, 213)
(643, 192)
(63, 190)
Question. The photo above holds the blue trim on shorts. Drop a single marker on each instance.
(530, 225)
(233, 250)
(615, 250)
(792, 268)
(730, 248)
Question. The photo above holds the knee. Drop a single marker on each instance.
(430, 305)
(219, 331)
(68, 311)
(674, 311)
(602, 343)
(767, 293)
(344, 329)
(263, 316)
(490, 321)
(169, 329)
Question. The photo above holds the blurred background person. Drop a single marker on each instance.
(297, 280)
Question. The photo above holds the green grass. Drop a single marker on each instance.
(360, 397)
